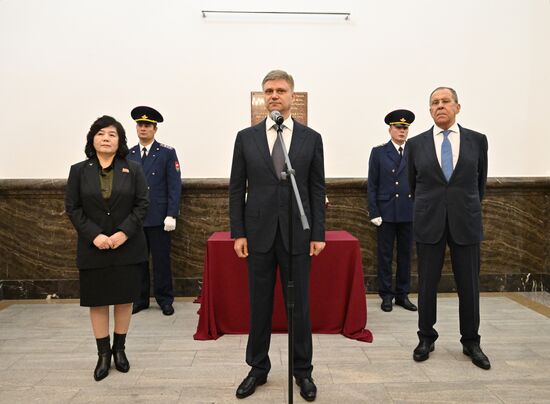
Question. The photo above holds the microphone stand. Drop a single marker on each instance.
(290, 176)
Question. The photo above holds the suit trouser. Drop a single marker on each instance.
(262, 270)
(387, 234)
(466, 266)
(158, 244)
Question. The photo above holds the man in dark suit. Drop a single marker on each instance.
(258, 208)
(162, 170)
(447, 173)
(390, 207)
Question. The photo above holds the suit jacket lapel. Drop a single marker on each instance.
(120, 176)
(391, 153)
(260, 138)
(463, 148)
(429, 149)
(298, 136)
(151, 157)
(403, 162)
(91, 175)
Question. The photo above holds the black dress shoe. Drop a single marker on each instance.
(138, 307)
(406, 304)
(422, 351)
(308, 390)
(103, 364)
(248, 385)
(167, 309)
(121, 361)
(478, 357)
(386, 303)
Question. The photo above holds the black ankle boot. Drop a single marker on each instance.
(121, 361)
(104, 358)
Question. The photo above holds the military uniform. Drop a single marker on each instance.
(389, 198)
(162, 171)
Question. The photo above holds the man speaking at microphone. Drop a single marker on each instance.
(258, 210)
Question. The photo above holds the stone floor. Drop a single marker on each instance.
(47, 354)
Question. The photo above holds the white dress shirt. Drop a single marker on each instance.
(397, 146)
(148, 148)
(271, 131)
(454, 138)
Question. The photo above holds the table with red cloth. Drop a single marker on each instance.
(337, 291)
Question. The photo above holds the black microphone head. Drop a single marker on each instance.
(277, 117)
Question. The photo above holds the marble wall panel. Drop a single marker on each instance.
(37, 248)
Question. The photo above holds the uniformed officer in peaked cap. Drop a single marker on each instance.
(390, 209)
(146, 114)
(162, 170)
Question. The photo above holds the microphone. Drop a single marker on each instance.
(277, 117)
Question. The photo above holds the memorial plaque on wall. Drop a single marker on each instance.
(258, 111)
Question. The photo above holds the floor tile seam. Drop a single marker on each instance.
(74, 397)
(330, 373)
(388, 394)
(495, 393)
(194, 357)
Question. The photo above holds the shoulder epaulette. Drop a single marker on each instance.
(166, 146)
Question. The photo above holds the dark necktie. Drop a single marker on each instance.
(278, 157)
(144, 155)
(400, 154)
(446, 155)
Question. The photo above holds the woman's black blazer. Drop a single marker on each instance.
(91, 215)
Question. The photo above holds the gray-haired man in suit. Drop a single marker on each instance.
(447, 174)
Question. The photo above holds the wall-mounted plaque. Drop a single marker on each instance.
(258, 111)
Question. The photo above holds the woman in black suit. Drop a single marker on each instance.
(106, 200)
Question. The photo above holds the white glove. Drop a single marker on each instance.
(169, 223)
(377, 221)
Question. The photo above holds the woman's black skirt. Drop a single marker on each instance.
(110, 285)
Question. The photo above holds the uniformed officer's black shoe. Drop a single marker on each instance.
(167, 309)
(405, 303)
(137, 307)
(478, 357)
(248, 385)
(387, 303)
(422, 350)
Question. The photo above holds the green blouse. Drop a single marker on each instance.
(106, 180)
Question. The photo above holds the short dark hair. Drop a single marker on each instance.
(100, 123)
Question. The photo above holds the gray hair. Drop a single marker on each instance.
(453, 92)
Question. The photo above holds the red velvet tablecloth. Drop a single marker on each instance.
(337, 291)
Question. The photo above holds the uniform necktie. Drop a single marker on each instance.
(278, 157)
(400, 152)
(144, 155)
(446, 155)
